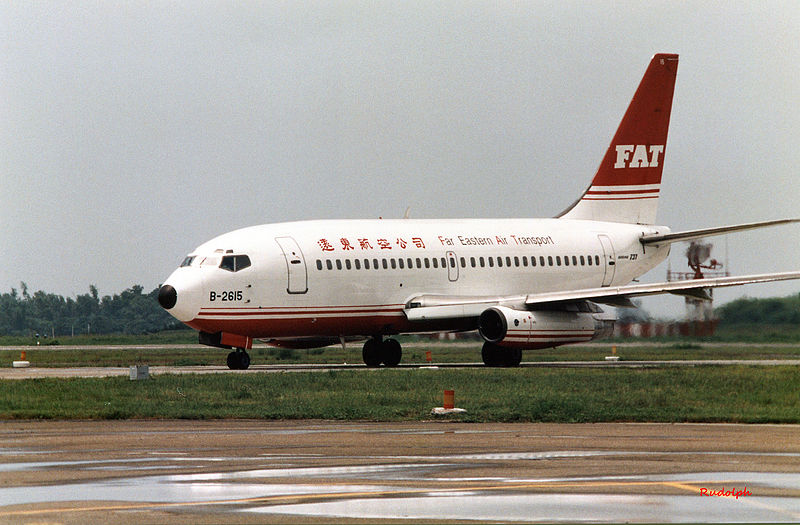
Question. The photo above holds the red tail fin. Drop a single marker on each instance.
(627, 183)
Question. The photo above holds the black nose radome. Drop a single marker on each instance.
(167, 297)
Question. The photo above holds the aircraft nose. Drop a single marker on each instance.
(167, 297)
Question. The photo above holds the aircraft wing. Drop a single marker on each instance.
(430, 307)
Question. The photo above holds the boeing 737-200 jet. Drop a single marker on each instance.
(524, 284)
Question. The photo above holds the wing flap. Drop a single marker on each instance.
(437, 307)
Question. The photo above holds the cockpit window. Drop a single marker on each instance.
(188, 261)
(210, 261)
(234, 263)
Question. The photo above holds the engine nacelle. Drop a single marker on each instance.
(508, 327)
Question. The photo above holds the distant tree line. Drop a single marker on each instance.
(744, 311)
(130, 312)
(773, 310)
(136, 312)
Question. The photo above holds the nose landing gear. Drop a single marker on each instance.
(238, 359)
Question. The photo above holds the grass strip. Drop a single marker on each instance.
(742, 394)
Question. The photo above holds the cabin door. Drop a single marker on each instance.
(609, 259)
(295, 265)
(452, 266)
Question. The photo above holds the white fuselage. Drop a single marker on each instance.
(339, 278)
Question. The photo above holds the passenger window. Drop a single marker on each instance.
(393, 261)
(566, 260)
(338, 264)
(400, 261)
(366, 264)
(410, 263)
(463, 262)
(472, 261)
(589, 258)
(329, 264)
(558, 260)
(357, 262)
(499, 262)
(385, 265)
(435, 262)
(483, 263)
(541, 260)
(444, 262)
(348, 264)
(597, 260)
(549, 260)
(574, 261)
(319, 264)
(516, 262)
(583, 261)
(491, 262)
(419, 262)
(234, 263)
(427, 263)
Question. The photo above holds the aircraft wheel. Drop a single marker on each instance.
(244, 360)
(392, 352)
(233, 361)
(491, 354)
(494, 355)
(373, 353)
(238, 360)
(513, 357)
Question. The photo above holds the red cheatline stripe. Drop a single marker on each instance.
(293, 308)
(283, 311)
(619, 198)
(621, 192)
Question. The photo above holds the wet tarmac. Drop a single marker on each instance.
(255, 471)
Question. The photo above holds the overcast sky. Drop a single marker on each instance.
(131, 132)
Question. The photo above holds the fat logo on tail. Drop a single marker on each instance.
(627, 183)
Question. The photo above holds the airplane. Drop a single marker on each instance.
(523, 284)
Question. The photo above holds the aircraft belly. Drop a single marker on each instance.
(333, 322)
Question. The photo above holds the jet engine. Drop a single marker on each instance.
(506, 326)
(574, 323)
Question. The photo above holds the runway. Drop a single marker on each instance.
(36, 372)
(256, 471)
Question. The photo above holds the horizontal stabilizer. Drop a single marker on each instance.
(709, 232)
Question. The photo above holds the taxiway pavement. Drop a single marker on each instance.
(314, 471)
(91, 371)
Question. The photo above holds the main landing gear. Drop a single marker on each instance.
(494, 355)
(377, 352)
(239, 359)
